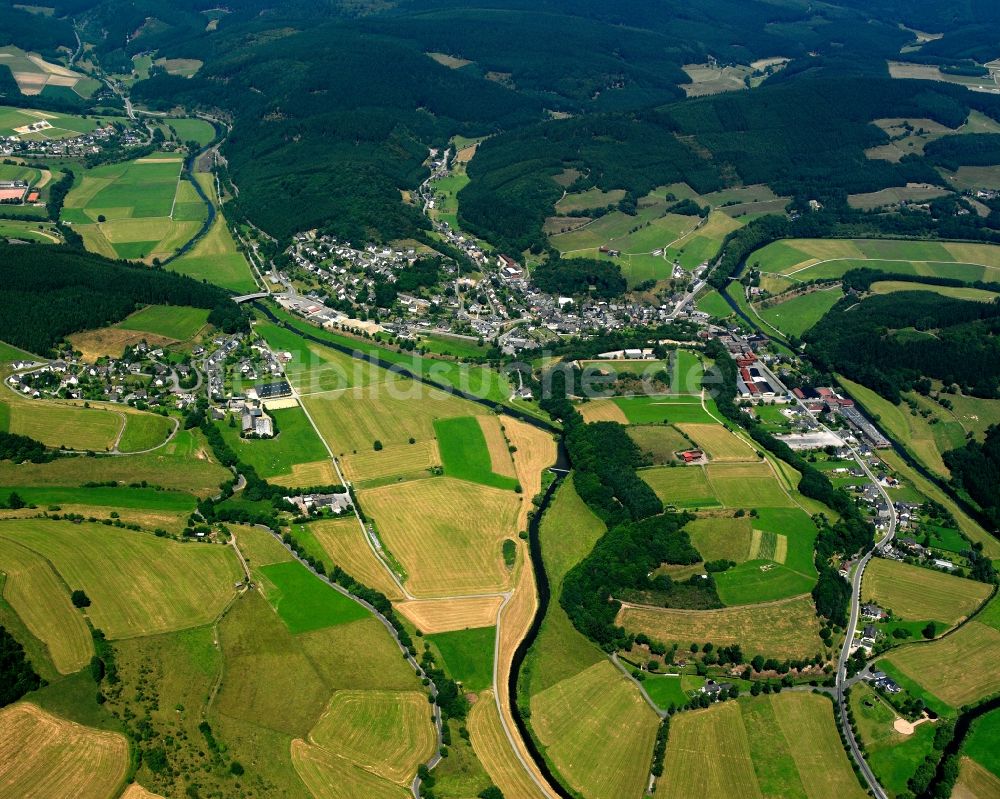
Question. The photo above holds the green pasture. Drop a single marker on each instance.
(170, 321)
(983, 743)
(658, 409)
(464, 452)
(304, 602)
(467, 655)
(193, 129)
(796, 315)
(107, 497)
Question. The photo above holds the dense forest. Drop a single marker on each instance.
(17, 677)
(18, 448)
(889, 342)
(52, 291)
(622, 561)
(574, 277)
(335, 104)
(976, 469)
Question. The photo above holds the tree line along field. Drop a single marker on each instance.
(595, 728)
(780, 745)
(917, 594)
(148, 211)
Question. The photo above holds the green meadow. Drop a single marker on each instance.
(464, 452)
(304, 602)
(468, 655)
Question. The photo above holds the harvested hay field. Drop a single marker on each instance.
(722, 537)
(535, 452)
(391, 461)
(41, 600)
(602, 410)
(388, 733)
(139, 584)
(60, 424)
(344, 542)
(447, 533)
(42, 755)
(708, 754)
(328, 776)
(785, 629)
(496, 442)
(318, 473)
(747, 485)
(351, 421)
(958, 669)
(112, 341)
(761, 747)
(491, 746)
(917, 594)
(975, 782)
(681, 486)
(446, 615)
(719, 443)
(598, 731)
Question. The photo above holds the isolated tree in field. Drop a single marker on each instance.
(102, 218)
(80, 599)
(14, 501)
(929, 631)
(377, 445)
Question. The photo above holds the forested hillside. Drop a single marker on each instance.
(49, 292)
(888, 342)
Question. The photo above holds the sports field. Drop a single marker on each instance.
(176, 322)
(388, 733)
(303, 601)
(597, 731)
(41, 600)
(917, 594)
(42, 755)
(466, 455)
(447, 533)
(760, 747)
(147, 210)
(796, 315)
(138, 584)
(785, 629)
(215, 257)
